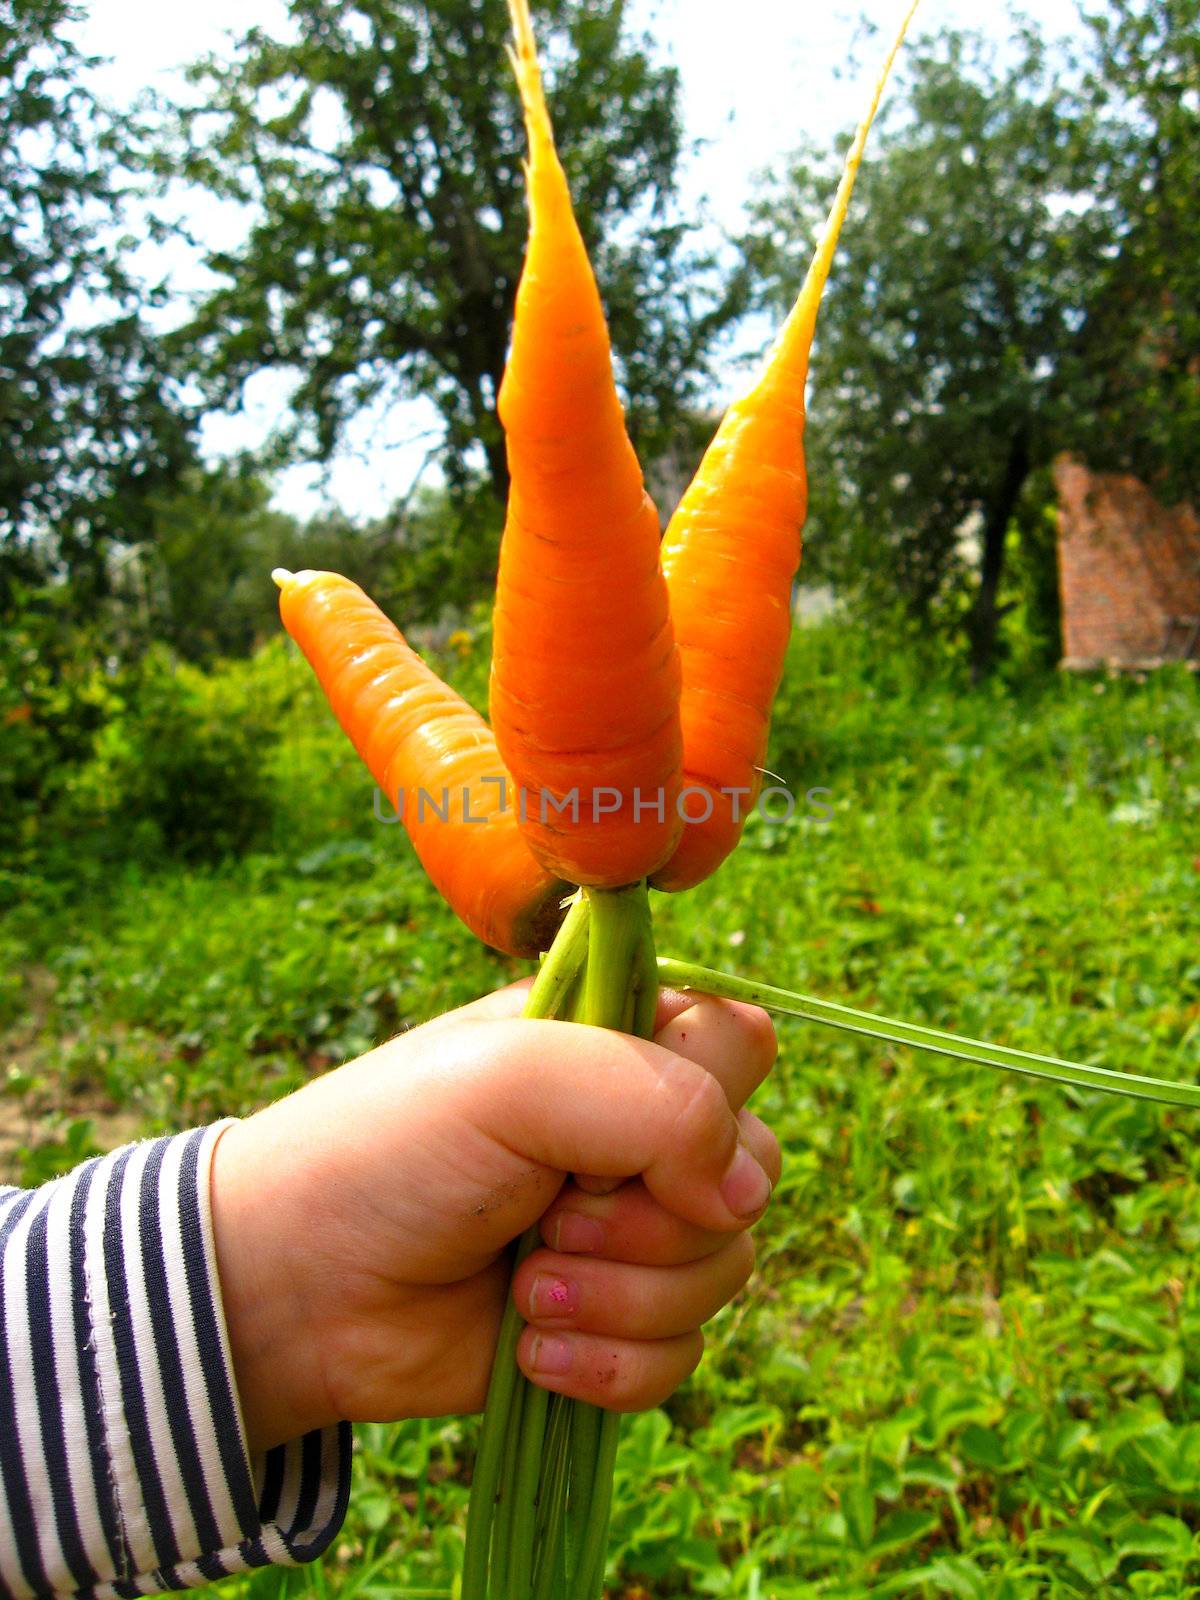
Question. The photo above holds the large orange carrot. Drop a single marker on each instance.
(730, 556)
(432, 755)
(585, 675)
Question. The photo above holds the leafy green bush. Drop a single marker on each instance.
(177, 768)
(54, 696)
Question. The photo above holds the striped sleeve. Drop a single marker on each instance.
(123, 1462)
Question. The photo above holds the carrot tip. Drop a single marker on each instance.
(522, 26)
(281, 577)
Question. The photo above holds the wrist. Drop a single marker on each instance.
(264, 1291)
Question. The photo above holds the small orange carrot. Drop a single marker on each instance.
(585, 675)
(432, 755)
(730, 556)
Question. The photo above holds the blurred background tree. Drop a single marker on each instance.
(203, 587)
(92, 421)
(1141, 349)
(1019, 278)
(379, 148)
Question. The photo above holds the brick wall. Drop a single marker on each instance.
(1127, 566)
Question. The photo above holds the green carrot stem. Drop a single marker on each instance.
(627, 1014)
(502, 1541)
(589, 1573)
(585, 1440)
(601, 966)
(525, 1490)
(558, 1432)
(554, 981)
(619, 938)
(548, 1577)
(573, 999)
(645, 986)
(563, 962)
(683, 975)
(492, 1437)
(619, 918)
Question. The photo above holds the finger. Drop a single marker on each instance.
(559, 1293)
(735, 1042)
(762, 1144)
(512, 999)
(618, 1374)
(670, 1003)
(581, 1099)
(630, 1224)
(591, 1185)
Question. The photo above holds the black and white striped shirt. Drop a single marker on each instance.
(123, 1462)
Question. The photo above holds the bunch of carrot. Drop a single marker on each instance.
(634, 752)
(630, 700)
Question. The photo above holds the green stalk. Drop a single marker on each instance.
(525, 1490)
(563, 962)
(502, 1537)
(558, 1438)
(601, 968)
(554, 981)
(645, 987)
(589, 1572)
(549, 1577)
(542, 1491)
(485, 1484)
(620, 954)
(620, 920)
(683, 975)
(585, 1443)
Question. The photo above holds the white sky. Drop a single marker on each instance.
(757, 76)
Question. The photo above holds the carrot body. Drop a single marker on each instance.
(730, 556)
(585, 675)
(432, 755)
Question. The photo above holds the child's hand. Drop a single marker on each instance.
(361, 1223)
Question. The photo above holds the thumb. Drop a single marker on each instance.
(495, 1007)
(579, 1099)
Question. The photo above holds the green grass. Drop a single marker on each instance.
(969, 1364)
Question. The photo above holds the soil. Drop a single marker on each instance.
(41, 1114)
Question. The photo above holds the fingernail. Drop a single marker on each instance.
(598, 1185)
(553, 1297)
(550, 1356)
(583, 1235)
(745, 1188)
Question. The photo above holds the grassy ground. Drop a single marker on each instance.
(970, 1362)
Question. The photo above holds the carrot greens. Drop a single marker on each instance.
(684, 975)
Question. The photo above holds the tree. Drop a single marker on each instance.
(90, 418)
(1011, 284)
(202, 584)
(1141, 348)
(380, 150)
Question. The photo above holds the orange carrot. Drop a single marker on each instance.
(432, 755)
(585, 674)
(730, 556)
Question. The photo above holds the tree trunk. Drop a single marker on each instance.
(497, 463)
(983, 623)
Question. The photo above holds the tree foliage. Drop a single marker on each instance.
(1141, 102)
(1019, 277)
(202, 586)
(90, 418)
(379, 148)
